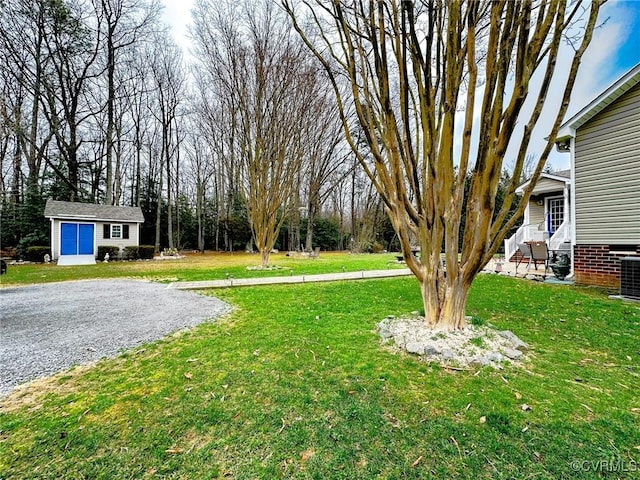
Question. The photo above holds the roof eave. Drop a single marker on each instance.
(88, 218)
(550, 176)
(606, 98)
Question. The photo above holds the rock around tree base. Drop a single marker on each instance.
(473, 346)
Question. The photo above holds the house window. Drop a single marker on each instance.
(555, 214)
(116, 231)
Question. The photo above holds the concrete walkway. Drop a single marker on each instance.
(323, 277)
(505, 268)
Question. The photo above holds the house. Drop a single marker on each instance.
(547, 216)
(603, 140)
(78, 229)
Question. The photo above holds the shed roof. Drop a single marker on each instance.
(91, 211)
(602, 101)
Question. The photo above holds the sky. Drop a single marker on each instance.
(614, 50)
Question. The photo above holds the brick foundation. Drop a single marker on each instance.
(596, 265)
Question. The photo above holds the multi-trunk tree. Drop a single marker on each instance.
(438, 88)
(264, 79)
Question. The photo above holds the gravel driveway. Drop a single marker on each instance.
(50, 327)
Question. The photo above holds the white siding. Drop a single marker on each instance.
(548, 185)
(117, 242)
(607, 174)
(55, 239)
(536, 212)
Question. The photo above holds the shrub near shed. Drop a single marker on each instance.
(37, 253)
(145, 252)
(130, 253)
(114, 252)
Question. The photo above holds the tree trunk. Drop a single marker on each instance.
(72, 162)
(136, 197)
(452, 313)
(159, 210)
(200, 214)
(311, 218)
(117, 172)
(265, 253)
(169, 205)
(453, 307)
(312, 210)
(264, 243)
(110, 115)
(17, 171)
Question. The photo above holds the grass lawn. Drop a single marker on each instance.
(194, 267)
(294, 384)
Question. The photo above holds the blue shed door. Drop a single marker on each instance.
(76, 239)
(85, 239)
(69, 239)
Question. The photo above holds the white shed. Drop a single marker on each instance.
(78, 229)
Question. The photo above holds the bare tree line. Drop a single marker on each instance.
(99, 105)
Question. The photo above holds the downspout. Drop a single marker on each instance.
(565, 194)
(572, 154)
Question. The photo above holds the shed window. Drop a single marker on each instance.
(116, 231)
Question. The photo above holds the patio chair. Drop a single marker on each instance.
(538, 253)
(525, 254)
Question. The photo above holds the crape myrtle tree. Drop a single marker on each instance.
(265, 79)
(423, 74)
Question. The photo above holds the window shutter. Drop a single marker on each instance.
(125, 231)
(106, 230)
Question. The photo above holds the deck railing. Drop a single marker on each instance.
(525, 233)
(531, 232)
(561, 236)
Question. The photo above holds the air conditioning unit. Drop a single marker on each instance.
(630, 278)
